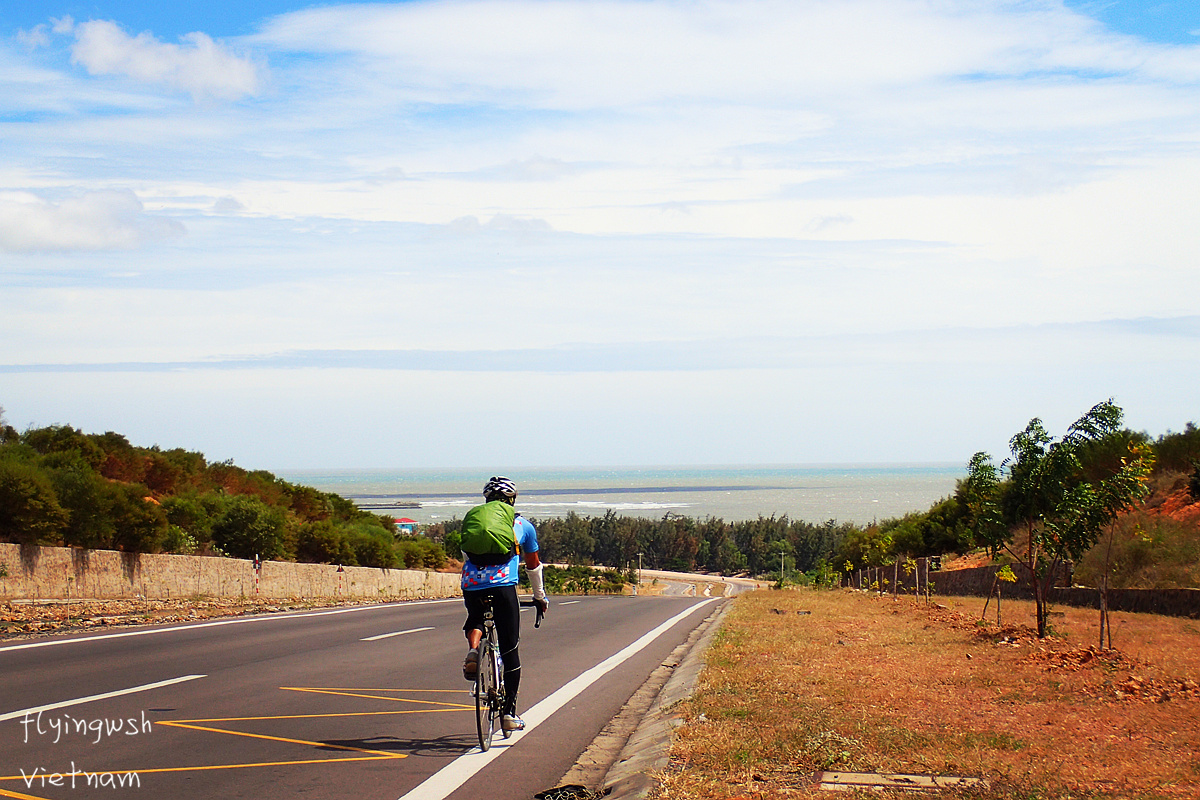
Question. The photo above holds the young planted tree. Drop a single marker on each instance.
(1046, 504)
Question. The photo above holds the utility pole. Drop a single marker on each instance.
(781, 552)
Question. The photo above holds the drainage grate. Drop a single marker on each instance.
(878, 781)
(572, 791)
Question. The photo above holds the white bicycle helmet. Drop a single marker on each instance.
(500, 487)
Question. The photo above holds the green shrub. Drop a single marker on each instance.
(30, 512)
(1149, 551)
(179, 541)
(372, 547)
(250, 527)
(1177, 452)
(580, 580)
(418, 552)
(324, 542)
(88, 501)
(67, 440)
(189, 513)
(139, 524)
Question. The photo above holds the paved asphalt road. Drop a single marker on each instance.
(364, 702)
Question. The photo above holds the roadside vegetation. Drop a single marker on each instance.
(802, 681)
(1049, 503)
(1136, 536)
(61, 486)
(1119, 505)
(585, 580)
(1155, 545)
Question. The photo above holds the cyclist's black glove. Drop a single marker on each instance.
(542, 606)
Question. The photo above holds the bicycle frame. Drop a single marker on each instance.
(489, 683)
(489, 678)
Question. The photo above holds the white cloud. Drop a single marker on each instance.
(198, 65)
(518, 224)
(530, 169)
(102, 220)
(833, 411)
(819, 224)
(227, 205)
(508, 223)
(617, 172)
(597, 115)
(34, 37)
(563, 54)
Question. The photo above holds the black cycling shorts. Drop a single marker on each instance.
(506, 610)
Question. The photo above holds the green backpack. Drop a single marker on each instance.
(488, 538)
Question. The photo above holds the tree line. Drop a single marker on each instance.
(60, 486)
(676, 542)
(1096, 451)
(1050, 503)
(1073, 477)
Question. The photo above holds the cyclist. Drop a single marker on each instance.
(498, 582)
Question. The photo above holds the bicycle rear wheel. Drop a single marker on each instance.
(486, 697)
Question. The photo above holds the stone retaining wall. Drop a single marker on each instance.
(979, 582)
(1168, 602)
(64, 572)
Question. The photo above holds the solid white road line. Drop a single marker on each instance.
(570, 603)
(395, 633)
(218, 623)
(79, 701)
(439, 785)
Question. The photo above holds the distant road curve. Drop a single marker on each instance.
(697, 584)
(690, 584)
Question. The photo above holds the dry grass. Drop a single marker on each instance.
(873, 684)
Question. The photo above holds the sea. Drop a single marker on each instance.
(856, 493)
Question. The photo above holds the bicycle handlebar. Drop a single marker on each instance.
(540, 614)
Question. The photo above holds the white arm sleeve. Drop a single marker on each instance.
(537, 582)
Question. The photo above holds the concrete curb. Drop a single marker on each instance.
(626, 756)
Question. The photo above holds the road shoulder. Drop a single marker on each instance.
(623, 760)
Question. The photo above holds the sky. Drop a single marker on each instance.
(459, 233)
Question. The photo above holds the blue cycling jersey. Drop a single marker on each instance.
(476, 577)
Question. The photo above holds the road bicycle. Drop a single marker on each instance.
(489, 678)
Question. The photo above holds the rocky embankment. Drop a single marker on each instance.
(23, 618)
